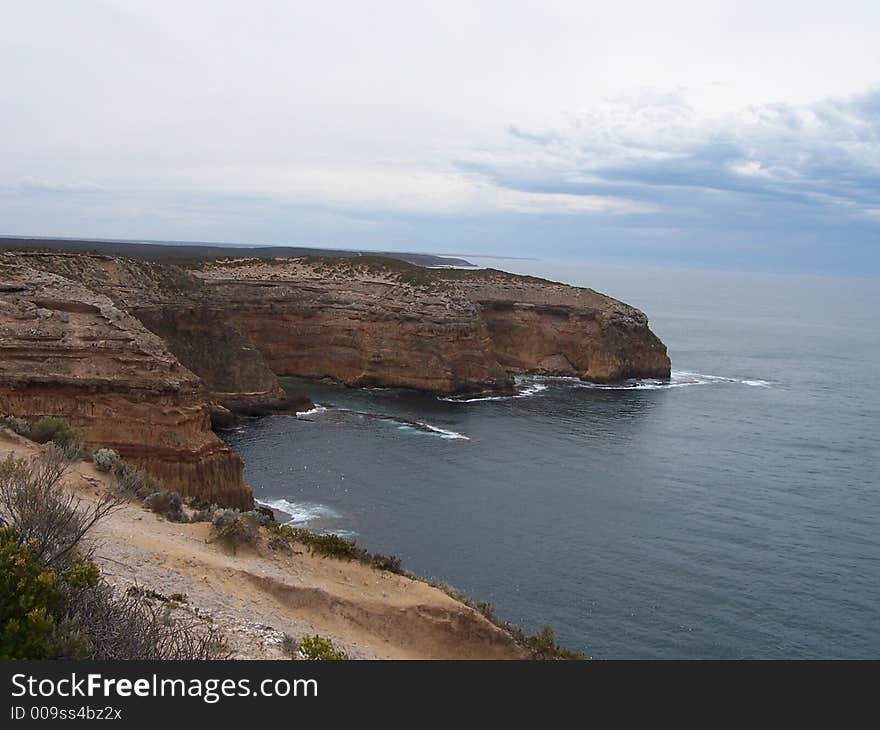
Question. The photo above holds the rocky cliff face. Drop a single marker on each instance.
(548, 328)
(372, 322)
(67, 350)
(174, 305)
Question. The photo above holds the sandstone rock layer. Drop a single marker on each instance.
(68, 351)
(369, 322)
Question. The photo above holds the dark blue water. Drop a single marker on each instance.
(733, 514)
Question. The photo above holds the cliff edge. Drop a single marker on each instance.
(368, 321)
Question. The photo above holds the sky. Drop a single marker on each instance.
(728, 135)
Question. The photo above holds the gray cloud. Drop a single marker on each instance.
(555, 127)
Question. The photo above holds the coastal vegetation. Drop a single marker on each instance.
(319, 648)
(105, 459)
(54, 602)
(54, 429)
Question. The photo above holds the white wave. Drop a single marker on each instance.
(428, 428)
(443, 432)
(318, 408)
(530, 389)
(677, 379)
(529, 385)
(301, 513)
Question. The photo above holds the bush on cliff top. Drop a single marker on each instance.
(29, 597)
(319, 648)
(235, 529)
(53, 602)
(167, 504)
(105, 459)
(331, 546)
(133, 482)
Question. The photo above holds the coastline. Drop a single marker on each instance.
(257, 596)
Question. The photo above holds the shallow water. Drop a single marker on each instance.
(732, 512)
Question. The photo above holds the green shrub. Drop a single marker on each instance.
(53, 602)
(105, 459)
(204, 513)
(29, 596)
(543, 645)
(34, 502)
(391, 563)
(319, 648)
(488, 611)
(55, 429)
(330, 546)
(34, 620)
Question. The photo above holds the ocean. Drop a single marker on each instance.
(733, 512)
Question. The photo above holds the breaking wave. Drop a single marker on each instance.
(428, 428)
(318, 408)
(677, 379)
(300, 513)
(402, 423)
(525, 389)
(530, 385)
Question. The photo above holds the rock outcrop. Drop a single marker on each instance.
(66, 350)
(367, 321)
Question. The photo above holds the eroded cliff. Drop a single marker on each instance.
(366, 321)
(66, 350)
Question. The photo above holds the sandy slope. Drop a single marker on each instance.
(258, 594)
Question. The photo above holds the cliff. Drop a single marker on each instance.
(369, 321)
(141, 356)
(70, 351)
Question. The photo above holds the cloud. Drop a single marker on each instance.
(824, 157)
(734, 135)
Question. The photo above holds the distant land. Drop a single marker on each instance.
(188, 250)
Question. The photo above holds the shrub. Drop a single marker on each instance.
(105, 459)
(391, 563)
(52, 428)
(132, 626)
(18, 425)
(133, 482)
(234, 529)
(330, 546)
(289, 646)
(53, 602)
(29, 595)
(543, 645)
(166, 504)
(319, 648)
(488, 611)
(34, 503)
(204, 513)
